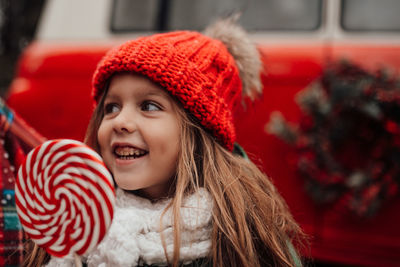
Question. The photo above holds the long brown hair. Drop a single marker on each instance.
(252, 225)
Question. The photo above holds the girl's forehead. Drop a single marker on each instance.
(136, 84)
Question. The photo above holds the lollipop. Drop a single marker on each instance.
(65, 197)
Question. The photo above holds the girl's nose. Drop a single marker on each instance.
(125, 122)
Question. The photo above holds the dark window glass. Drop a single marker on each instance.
(159, 15)
(371, 15)
(139, 15)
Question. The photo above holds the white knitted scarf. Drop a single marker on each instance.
(134, 237)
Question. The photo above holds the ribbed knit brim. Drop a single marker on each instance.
(196, 70)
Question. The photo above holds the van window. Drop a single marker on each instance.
(257, 15)
(371, 15)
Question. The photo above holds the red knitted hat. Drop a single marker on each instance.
(195, 69)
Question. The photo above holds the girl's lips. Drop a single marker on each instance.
(116, 144)
(125, 162)
(126, 153)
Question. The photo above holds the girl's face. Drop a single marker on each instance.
(138, 136)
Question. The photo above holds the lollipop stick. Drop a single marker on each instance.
(78, 262)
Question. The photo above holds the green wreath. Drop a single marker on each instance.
(347, 141)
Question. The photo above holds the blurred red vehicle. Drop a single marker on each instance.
(297, 38)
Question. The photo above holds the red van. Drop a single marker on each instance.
(297, 38)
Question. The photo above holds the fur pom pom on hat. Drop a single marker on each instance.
(204, 74)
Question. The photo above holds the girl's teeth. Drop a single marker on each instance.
(128, 152)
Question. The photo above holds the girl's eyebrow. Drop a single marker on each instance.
(157, 93)
(153, 92)
(110, 96)
(144, 92)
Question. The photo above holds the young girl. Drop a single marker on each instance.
(163, 124)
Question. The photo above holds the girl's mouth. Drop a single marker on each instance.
(128, 152)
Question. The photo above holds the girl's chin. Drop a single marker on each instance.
(127, 187)
(148, 194)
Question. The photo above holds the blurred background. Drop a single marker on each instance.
(326, 129)
(18, 22)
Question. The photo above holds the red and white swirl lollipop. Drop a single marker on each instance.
(65, 197)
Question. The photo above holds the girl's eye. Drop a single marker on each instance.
(150, 106)
(110, 108)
